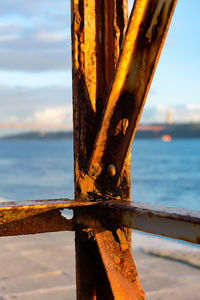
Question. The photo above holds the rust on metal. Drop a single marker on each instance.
(171, 222)
(119, 264)
(110, 86)
(177, 223)
(98, 28)
(147, 29)
(38, 216)
(28, 217)
(12, 211)
(50, 221)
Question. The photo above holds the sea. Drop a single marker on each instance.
(164, 173)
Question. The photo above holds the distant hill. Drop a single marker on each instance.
(176, 131)
(152, 131)
(38, 135)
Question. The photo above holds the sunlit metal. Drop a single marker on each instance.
(147, 29)
(109, 92)
(177, 223)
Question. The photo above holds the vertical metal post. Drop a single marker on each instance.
(104, 264)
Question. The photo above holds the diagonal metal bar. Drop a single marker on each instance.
(118, 261)
(94, 50)
(97, 33)
(147, 29)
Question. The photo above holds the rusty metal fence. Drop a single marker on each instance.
(114, 60)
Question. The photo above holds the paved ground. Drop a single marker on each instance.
(41, 267)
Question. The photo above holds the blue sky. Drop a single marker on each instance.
(178, 74)
(35, 64)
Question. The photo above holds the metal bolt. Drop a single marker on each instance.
(111, 170)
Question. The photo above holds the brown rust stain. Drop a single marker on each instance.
(198, 240)
(115, 249)
(11, 211)
(131, 84)
(117, 260)
(96, 43)
(97, 34)
(120, 267)
(91, 80)
(50, 221)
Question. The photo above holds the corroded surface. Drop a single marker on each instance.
(172, 222)
(97, 33)
(45, 215)
(29, 217)
(49, 221)
(105, 120)
(143, 43)
(104, 172)
(11, 211)
(118, 261)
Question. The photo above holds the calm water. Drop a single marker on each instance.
(162, 173)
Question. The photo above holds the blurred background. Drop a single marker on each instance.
(36, 148)
(35, 66)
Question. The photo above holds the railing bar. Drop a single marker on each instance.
(171, 222)
(183, 214)
(19, 210)
(49, 221)
(51, 203)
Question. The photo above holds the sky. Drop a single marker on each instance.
(35, 64)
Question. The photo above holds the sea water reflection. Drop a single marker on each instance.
(162, 173)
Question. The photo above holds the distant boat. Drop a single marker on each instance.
(166, 138)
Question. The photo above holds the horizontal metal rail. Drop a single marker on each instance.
(38, 216)
(28, 217)
(171, 222)
(20, 209)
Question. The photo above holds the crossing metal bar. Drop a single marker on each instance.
(110, 85)
(102, 149)
(98, 28)
(29, 217)
(146, 33)
(177, 223)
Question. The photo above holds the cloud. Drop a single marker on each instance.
(189, 113)
(8, 37)
(9, 31)
(21, 79)
(37, 7)
(35, 61)
(51, 36)
(22, 104)
(35, 35)
(34, 96)
(53, 115)
(52, 118)
(193, 106)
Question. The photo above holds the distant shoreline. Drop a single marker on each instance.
(152, 131)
